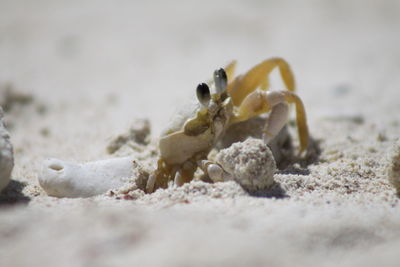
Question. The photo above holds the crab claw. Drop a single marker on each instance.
(215, 171)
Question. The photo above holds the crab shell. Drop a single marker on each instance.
(176, 146)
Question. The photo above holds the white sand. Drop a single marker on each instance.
(94, 66)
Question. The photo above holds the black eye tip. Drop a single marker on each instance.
(202, 85)
(220, 73)
(203, 93)
(203, 88)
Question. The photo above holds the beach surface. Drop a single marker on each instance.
(91, 68)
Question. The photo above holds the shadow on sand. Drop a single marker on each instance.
(12, 194)
(290, 163)
(275, 191)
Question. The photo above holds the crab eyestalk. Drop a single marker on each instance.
(220, 80)
(203, 94)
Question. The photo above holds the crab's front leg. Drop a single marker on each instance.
(185, 173)
(161, 176)
(259, 102)
(166, 173)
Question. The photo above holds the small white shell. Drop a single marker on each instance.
(65, 179)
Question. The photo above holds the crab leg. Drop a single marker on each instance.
(230, 70)
(257, 77)
(161, 176)
(276, 120)
(259, 102)
(185, 173)
(166, 173)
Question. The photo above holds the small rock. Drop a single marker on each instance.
(10, 97)
(138, 135)
(281, 146)
(251, 163)
(393, 168)
(6, 155)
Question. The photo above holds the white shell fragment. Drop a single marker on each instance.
(65, 179)
(6, 155)
(251, 164)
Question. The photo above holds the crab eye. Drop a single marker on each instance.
(220, 80)
(203, 94)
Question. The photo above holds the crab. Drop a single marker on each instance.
(224, 101)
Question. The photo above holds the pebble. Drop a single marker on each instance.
(6, 154)
(393, 168)
(251, 163)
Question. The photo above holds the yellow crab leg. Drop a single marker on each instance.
(166, 173)
(257, 77)
(301, 119)
(259, 102)
(230, 70)
(160, 177)
(185, 174)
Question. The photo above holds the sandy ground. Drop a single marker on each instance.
(92, 67)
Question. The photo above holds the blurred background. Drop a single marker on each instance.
(103, 63)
